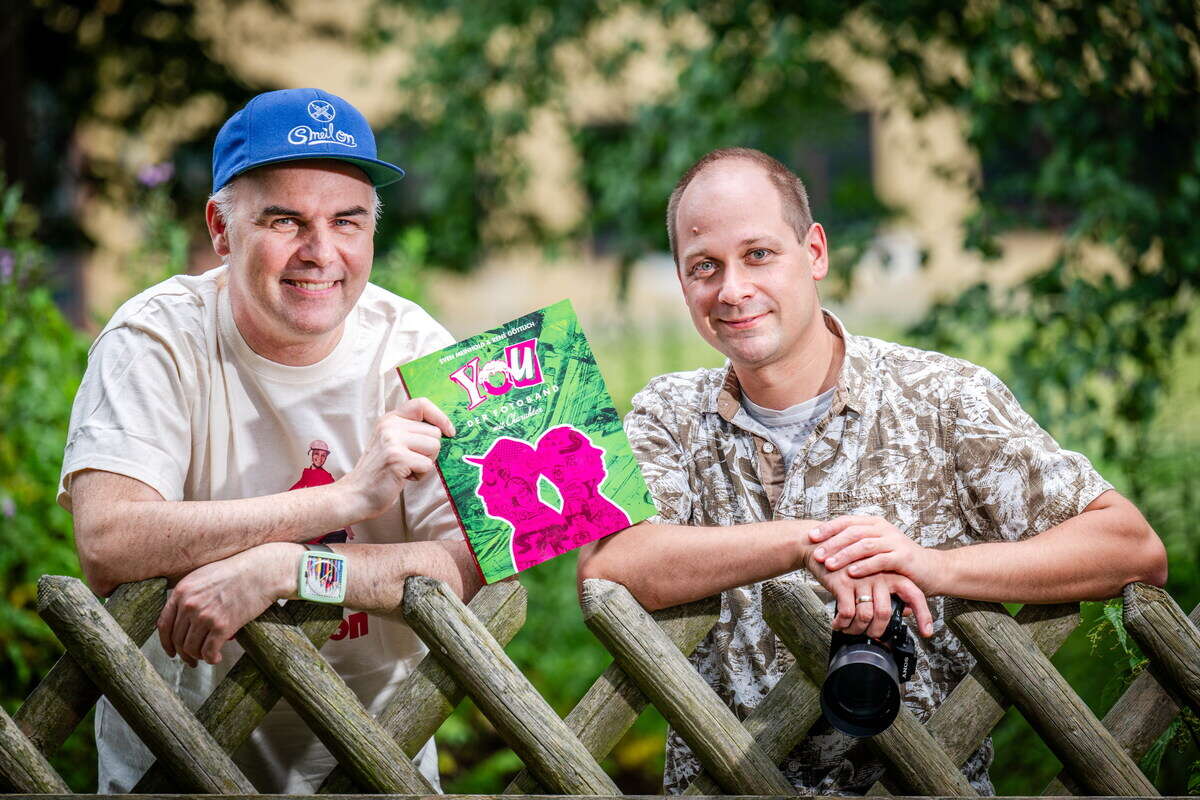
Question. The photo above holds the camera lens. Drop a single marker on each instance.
(861, 693)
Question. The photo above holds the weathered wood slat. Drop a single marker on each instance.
(1045, 699)
(63, 698)
(715, 735)
(328, 706)
(612, 704)
(244, 696)
(777, 724)
(1168, 638)
(424, 699)
(912, 756)
(468, 652)
(976, 705)
(22, 767)
(1136, 720)
(126, 677)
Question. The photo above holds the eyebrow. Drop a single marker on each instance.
(280, 211)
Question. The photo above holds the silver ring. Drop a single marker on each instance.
(863, 598)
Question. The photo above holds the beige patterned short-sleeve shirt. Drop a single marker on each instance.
(936, 445)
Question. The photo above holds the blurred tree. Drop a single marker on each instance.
(75, 66)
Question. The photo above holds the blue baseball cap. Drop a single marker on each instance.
(295, 124)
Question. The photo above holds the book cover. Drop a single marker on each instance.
(540, 464)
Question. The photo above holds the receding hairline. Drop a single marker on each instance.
(789, 188)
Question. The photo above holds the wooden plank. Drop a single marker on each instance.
(244, 696)
(328, 706)
(428, 695)
(715, 735)
(22, 766)
(468, 652)
(143, 699)
(612, 704)
(1136, 720)
(913, 757)
(1168, 638)
(777, 724)
(63, 698)
(1025, 674)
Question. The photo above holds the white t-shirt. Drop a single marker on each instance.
(174, 397)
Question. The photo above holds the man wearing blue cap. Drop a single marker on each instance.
(200, 401)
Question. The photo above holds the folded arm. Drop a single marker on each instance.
(1090, 556)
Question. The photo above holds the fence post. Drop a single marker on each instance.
(63, 698)
(612, 704)
(1045, 699)
(468, 652)
(125, 675)
(1167, 637)
(424, 699)
(22, 766)
(800, 620)
(716, 736)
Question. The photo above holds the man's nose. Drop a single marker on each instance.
(317, 246)
(736, 286)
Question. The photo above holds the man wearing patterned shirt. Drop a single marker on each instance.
(858, 466)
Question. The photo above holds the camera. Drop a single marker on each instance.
(861, 693)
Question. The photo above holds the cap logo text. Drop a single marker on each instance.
(302, 134)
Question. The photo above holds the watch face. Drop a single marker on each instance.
(324, 577)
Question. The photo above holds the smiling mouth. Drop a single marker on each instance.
(310, 286)
(743, 322)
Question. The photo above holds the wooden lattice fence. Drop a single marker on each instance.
(561, 756)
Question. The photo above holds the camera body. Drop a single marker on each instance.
(861, 692)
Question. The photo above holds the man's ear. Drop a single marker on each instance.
(217, 230)
(818, 251)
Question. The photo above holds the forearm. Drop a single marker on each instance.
(1091, 556)
(665, 565)
(133, 538)
(375, 573)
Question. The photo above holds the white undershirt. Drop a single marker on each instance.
(790, 427)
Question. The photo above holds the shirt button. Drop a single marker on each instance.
(768, 447)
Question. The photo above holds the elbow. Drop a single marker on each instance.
(593, 564)
(97, 559)
(1155, 559)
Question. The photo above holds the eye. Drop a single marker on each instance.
(759, 253)
(285, 222)
(702, 267)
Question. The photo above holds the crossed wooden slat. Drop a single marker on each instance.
(561, 755)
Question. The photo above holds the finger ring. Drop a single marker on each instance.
(863, 598)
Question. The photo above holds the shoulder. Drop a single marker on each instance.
(679, 396)
(177, 314)
(926, 374)
(400, 326)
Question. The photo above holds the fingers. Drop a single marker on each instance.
(912, 596)
(829, 552)
(835, 526)
(884, 562)
(864, 612)
(422, 409)
(166, 624)
(844, 591)
(883, 608)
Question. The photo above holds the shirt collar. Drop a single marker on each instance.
(725, 398)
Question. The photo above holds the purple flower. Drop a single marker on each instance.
(155, 174)
(7, 262)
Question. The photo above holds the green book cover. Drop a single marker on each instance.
(540, 464)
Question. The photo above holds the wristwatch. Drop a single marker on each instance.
(322, 575)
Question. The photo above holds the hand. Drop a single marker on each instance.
(865, 546)
(404, 447)
(211, 604)
(871, 617)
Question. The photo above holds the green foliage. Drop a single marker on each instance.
(41, 362)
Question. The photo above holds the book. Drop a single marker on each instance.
(539, 464)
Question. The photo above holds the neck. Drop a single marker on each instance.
(300, 352)
(812, 368)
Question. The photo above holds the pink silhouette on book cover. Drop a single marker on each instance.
(575, 467)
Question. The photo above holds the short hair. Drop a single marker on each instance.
(792, 193)
(223, 199)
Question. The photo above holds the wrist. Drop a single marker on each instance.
(938, 573)
(286, 566)
(805, 545)
(343, 505)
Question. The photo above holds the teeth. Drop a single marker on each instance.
(314, 286)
